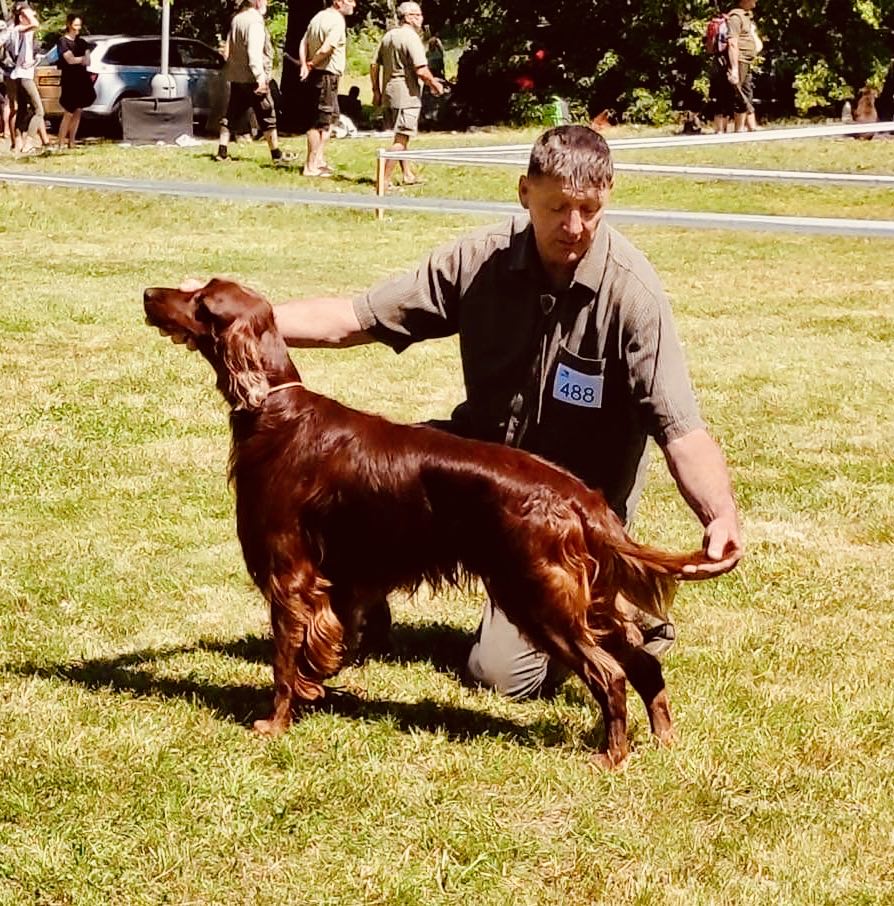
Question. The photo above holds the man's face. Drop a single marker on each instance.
(564, 220)
(345, 7)
(414, 18)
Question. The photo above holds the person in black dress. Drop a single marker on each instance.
(77, 84)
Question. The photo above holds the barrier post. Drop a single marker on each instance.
(380, 182)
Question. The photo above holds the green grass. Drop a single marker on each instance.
(133, 647)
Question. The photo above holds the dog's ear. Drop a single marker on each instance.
(240, 351)
(237, 322)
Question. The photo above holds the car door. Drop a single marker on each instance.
(133, 63)
(201, 69)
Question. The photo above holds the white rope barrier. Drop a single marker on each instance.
(518, 154)
(808, 176)
(830, 226)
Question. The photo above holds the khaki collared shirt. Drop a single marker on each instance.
(249, 49)
(329, 23)
(400, 54)
(582, 378)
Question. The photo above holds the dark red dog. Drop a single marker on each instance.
(336, 507)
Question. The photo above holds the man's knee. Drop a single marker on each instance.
(516, 676)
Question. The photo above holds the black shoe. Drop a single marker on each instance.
(657, 640)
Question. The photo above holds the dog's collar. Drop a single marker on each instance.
(285, 386)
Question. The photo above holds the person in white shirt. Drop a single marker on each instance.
(30, 127)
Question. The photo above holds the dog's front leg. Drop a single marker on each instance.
(288, 632)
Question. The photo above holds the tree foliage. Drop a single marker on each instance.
(638, 56)
(612, 54)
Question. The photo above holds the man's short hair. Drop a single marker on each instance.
(407, 8)
(576, 155)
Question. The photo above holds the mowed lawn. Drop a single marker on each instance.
(134, 650)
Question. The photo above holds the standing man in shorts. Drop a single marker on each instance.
(402, 62)
(248, 70)
(322, 59)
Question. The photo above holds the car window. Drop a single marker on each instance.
(196, 55)
(134, 53)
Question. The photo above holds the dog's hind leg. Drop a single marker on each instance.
(644, 673)
(550, 618)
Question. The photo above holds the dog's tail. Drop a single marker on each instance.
(645, 576)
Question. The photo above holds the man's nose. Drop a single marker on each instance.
(574, 222)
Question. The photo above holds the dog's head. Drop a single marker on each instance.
(232, 326)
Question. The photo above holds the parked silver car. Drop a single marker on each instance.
(122, 66)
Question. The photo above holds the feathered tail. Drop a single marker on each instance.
(645, 576)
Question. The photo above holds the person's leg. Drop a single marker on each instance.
(503, 660)
(75, 125)
(399, 144)
(235, 108)
(36, 126)
(314, 146)
(748, 92)
(741, 101)
(64, 129)
(265, 114)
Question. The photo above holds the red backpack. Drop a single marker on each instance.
(717, 35)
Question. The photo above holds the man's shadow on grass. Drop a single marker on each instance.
(444, 647)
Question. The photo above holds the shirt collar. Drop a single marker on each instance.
(589, 269)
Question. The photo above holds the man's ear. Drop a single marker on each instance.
(523, 191)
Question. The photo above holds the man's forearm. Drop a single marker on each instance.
(320, 322)
(699, 468)
(732, 50)
(427, 76)
(321, 56)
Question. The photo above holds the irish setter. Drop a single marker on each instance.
(336, 507)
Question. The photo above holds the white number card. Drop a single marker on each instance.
(577, 388)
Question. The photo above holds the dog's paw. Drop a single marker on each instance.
(605, 761)
(270, 727)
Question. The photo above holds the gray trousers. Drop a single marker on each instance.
(503, 660)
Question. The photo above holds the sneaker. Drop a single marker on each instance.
(287, 158)
(657, 640)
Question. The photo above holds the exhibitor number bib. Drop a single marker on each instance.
(577, 389)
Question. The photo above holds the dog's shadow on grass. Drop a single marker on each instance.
(446, 648)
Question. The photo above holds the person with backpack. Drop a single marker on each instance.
(743, 46)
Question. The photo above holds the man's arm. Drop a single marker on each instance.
(306, 323)
(321, 57)
(374, 81)
(303, 70)
(320, 322)
(732, 53)
(698, 466)
(256, 55)
(426, 75)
